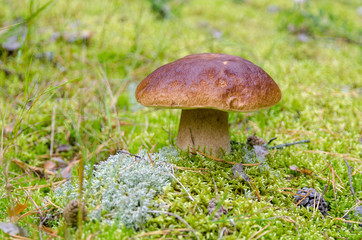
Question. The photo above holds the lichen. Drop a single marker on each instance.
(122, 188)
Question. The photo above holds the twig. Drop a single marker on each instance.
(25, 166)
(333, 182)
(304, 197)
(334, 172)
(333, 178)
(321, 196)
(293, 193)
(160, 232)
(211, 157)
(334, 154)
(270, 141)
(224, 229)
(189, 168)
(352, 208)
(288, 219)
(149, 156)
(253, 186)
(289, 144)
(52, 132)
(125, 152)
(178, 217)
(220, 160)
(326, 187)
(255, 234)
(39, 211)
(182, 187)
(344, 220)
(350, 178)
(2, 142)
(51, 203)
(265, 233)
(45, 185)
(18, 237)
(32, 212)
(216, 192)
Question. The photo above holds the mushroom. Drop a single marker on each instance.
(206, 87)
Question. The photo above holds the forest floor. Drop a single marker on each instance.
(68, 74)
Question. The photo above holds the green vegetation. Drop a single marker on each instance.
(67, 95)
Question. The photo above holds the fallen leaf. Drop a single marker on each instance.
(238, 170)
(305, 171)
(64, 148)
(10, 228)
(67, 171)
(78, 37)
(294, 168)
(50, 165)
(60, 162)
(260, 151)
(57, 164)
(13, 229)
(15, 41)
(212, 208)
(27, 167)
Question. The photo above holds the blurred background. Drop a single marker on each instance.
(88, 56)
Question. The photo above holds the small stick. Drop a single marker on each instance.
(37, 207)
(220, 160)
(149, 156)
(255, 234)
(352, 208)
(334, 154)
(159, 232)
(253, 186)
(125, 152)
(350, 178)
(265, 233)
(178, 217)
(183, 187)
(211, 157)
(289, 144)
(224, 229)
(52, 132)
(216, 192)
(51, 203)
(270, 141)
(320, 197)
(333, 182)
(344, 220)
(293, 193)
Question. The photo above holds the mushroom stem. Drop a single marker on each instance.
(207, 129)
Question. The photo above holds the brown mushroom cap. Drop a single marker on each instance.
(209, 80)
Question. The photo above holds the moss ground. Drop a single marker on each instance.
(83, 97)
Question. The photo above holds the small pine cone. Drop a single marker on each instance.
(311, 200)
(70, 212)
(255, 140)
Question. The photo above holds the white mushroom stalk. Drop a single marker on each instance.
(205, 128)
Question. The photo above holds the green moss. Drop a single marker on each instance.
(321, 102)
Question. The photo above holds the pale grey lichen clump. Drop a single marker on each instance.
(121, 189)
